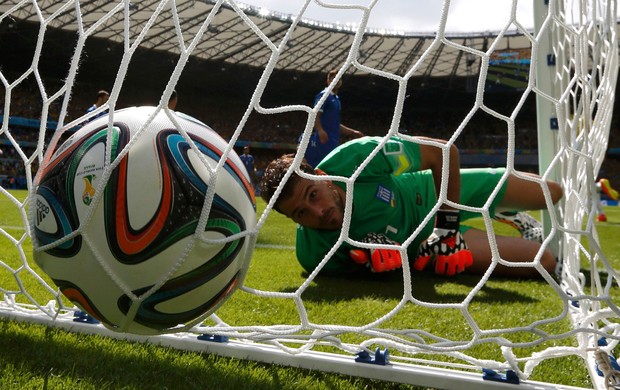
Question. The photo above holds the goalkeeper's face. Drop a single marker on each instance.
(317, 204)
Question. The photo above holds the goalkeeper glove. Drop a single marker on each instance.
(378, 260)
(447, 245)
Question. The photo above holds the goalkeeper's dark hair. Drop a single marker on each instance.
(274, 173)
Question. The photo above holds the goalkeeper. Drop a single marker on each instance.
(392, 196)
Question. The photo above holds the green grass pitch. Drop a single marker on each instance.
(37, 357)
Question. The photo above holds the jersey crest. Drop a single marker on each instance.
(385, 195)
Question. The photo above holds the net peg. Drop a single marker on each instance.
(509, 377)
(216, 338)
(380, 358)
(85, 318)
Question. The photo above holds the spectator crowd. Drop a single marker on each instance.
(279, 131)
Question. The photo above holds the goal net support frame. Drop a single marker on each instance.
(575, 87)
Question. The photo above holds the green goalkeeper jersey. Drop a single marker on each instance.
(391, 196)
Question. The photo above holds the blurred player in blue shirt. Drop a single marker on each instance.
(327, 126)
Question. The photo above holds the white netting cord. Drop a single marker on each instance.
(588, 74)
(585, 95)
(589, 70)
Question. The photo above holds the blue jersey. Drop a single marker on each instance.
(248, 161)
(330, 120)
(93, 108)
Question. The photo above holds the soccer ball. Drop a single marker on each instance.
(153, 241)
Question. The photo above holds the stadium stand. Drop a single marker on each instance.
(230, 88)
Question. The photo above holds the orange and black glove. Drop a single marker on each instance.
(446, 245)
(377, 260)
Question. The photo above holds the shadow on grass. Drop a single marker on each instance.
(35, 356)
(55, 357)
(426, 286)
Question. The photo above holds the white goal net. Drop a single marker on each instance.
(469, 330)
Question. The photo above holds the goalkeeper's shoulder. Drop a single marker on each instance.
(360, 148)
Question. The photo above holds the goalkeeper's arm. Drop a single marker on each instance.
(432, 158)
(446, 245)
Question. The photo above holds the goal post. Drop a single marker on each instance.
(571, 125)
(547, 119)
(437, 338)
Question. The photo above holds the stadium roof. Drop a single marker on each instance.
(244, 34)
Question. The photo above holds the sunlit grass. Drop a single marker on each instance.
(36, 357)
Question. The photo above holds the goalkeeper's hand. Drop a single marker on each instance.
(446, 245)
(378, 260)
